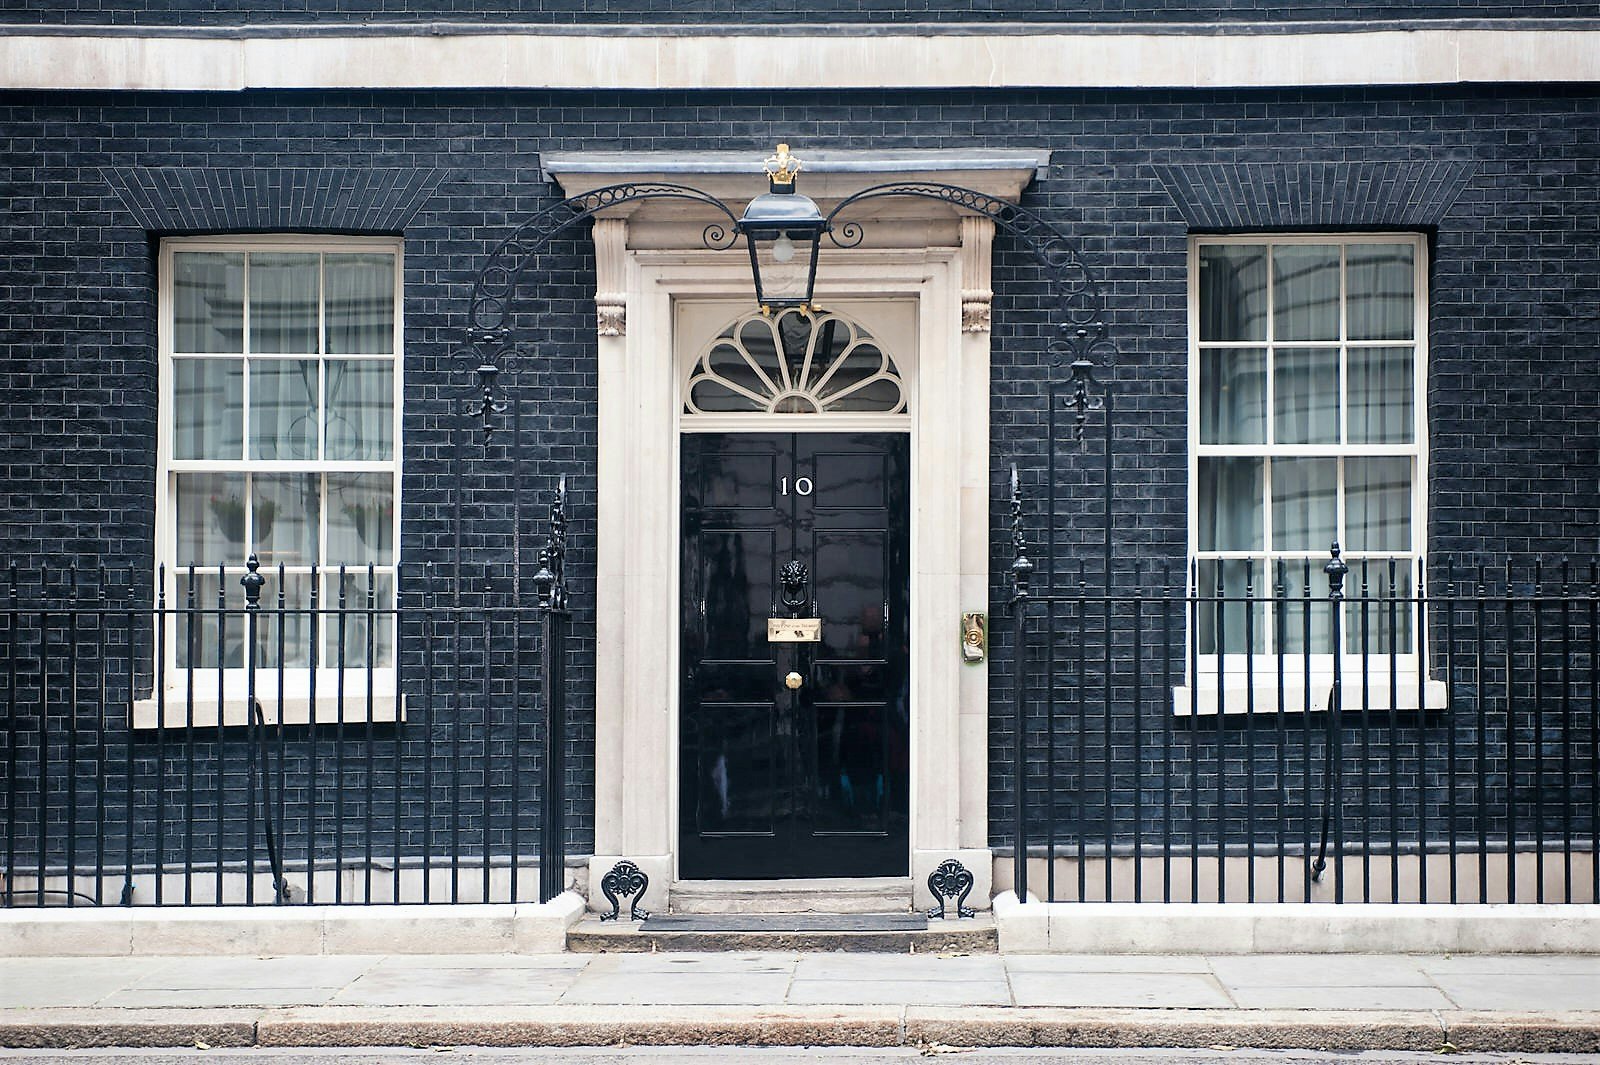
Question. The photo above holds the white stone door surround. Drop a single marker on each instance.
(923, 273)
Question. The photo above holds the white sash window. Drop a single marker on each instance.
(279, 436)
(1307, 425)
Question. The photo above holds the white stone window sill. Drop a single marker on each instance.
(368, 698)
(1362, 692)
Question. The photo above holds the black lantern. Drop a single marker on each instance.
(783, 230)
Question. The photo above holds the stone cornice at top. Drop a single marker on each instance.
(835, 56)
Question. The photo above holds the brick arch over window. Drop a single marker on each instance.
(1403, 195)
(302, 200)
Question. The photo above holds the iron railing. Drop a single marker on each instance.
(1314, 730)
(375, 743)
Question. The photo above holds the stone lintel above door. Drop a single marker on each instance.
(826, 176)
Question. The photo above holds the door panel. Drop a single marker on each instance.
(735, 749)
(812, 781)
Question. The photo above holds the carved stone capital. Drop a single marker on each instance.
(610, 255)
(611, 313)
(975, 307)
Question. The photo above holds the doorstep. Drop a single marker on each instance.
(896, 933)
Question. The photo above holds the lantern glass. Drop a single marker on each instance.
(782, 230)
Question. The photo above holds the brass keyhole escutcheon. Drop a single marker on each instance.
(793, 681)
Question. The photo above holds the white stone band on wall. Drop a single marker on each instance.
(747, 58)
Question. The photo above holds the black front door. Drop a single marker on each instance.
(795, 755)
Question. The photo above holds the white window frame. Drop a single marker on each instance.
(1248, 682)
(209, 696)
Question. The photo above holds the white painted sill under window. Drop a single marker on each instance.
(226, 704)
(1363, 691)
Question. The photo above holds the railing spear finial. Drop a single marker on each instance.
(1021, 567)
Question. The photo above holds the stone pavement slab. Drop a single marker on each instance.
(455, 986)
(1107, 963)
(1319, 970)
(1340, 997)
(135, 998)
(1181, 990)
(702, 989)
(675, 962)
(1519, 1003)
(1511, 991)
(921, 967)
(1575, 964)
(993, 992)
(280, 972)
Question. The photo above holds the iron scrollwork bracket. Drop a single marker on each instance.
(491, 335)
(629, 881)
(951, 881)
(1079, 305)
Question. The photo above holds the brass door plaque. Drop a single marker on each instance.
(794, 630)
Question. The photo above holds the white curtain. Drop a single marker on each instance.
(359, 293)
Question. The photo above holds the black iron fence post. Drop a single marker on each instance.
(259, 772)
(552, 589)
(1332, 808)
(1021, 573)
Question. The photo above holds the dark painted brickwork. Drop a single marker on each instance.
(1513, 381)
(880, 12)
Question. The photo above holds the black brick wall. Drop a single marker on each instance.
(1513, 376)
(880, 12)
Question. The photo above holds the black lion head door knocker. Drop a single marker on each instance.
(792, 579)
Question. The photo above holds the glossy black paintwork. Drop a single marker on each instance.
(814, 782)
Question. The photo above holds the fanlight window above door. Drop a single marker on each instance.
(794, 363)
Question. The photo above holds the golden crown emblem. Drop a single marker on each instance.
(782, 167)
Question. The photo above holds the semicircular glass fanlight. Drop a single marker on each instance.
(794, 363)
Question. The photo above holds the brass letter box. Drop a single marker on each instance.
(794, 630)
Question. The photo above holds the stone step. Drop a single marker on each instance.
(967, 936)
(886, 894)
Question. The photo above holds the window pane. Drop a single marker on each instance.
(1305, 291)
(360, 519)
(210, 509)
(201, 627)
(1304, 625)
(1381, 386)
(283, 409)
(1233, 396)
(1233, 292)
(207, 408)
(1238, 606)
(360, 298)
(293, 625)
(1305, 495)
(346, 635)
(1305, 399)
(1230, 504)
(283, 302)
(1379, 279)
(1377, 620)
(360, 409)
(1377, 504)
(284, 516)
(207, 301)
